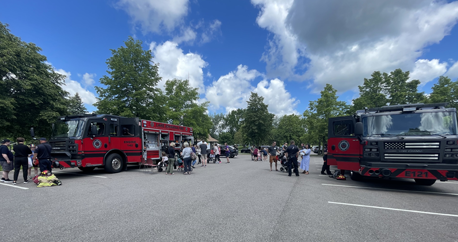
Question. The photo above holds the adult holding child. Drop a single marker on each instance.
(305, 163)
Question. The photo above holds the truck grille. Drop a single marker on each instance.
(59, 144)
(412, 156)
(407, 145)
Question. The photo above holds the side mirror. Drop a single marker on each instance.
(32, 132)
(93, 130)
(359, 129)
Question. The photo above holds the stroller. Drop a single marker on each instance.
(179, 163)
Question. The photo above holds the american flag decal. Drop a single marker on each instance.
(395, 145)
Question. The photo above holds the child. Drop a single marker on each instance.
(259, 154)
(255, 154)
(31, 157)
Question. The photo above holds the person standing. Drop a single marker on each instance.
(305, 163)
(217, 153)
(203, 151)
(273, 155)
(32, 157)
(44, 155)
(198, 153)
(186, 158)
(171, 155)
(325, 161)
(195, 152)
(21, 155)
(6, 160)
(292, 151)
(228, 152)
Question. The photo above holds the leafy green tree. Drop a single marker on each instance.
(319, 112)
(238, 137)
(217, 125)
(372, 93)
(75, 105)
(131, 84)
(225, 137)
(445, 90)
(30, 89)
(233, 121)
(400, 91)
(290, 127)
(257, 121)
(182, 107)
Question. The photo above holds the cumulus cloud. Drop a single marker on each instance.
(427, 70)
(187, 35)
(233, 90)
(453, 71)
(341, 42)
(88, 79)
(155, 15)
(73, 87)
(173, 63)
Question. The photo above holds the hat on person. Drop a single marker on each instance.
(5, 141)
(42, 138)
(32, 146)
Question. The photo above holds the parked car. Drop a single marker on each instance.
(317, 150)
(234, 151)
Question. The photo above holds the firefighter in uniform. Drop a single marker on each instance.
(44, 155)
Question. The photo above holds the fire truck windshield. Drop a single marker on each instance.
(68, 129)
(405, 124)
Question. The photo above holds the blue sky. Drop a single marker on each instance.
(285, 50)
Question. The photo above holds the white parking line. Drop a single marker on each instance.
(395, 209)
(385, 189)
(15, 186)
(100, 176)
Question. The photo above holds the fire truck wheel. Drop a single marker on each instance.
(86, 169)
(425, 182)
(355, 176)
(113, 163)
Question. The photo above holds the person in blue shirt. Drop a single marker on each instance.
(6, 160)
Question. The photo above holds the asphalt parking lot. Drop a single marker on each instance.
(240, 201)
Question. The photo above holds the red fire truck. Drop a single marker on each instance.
(112, 142)
(418, 141)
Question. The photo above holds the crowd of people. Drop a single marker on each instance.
(190, 155)
(291, 155)
(25, 157)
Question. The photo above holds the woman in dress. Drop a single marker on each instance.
(305, 159)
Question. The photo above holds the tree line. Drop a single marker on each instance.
(242, 126)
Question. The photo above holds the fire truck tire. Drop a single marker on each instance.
(355, 176)
(86, 169)
(425, 182)
(114, 163)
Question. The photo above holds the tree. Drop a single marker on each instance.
(225, 137)
(75, 105)
(233, 121)
(372, 93)
(131, 85)
(400, 91)
(445, 90)
(290, 127)
(238, 137)
(217, 125)
(182, 108)
(319, 112)
(30, 89)
(257, 121)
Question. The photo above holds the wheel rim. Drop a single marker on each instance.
(116, 163)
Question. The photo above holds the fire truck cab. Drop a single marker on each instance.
(111, 142)
(418, 141)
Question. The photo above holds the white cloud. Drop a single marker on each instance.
(155, 15)
(341, 42)
(277, 97)
(187, 35)
(232, 91)
(173, 63)
(74, 87)
(453, 71)
(427, 70)
(88, 79)
(213, 29)
(209, 74)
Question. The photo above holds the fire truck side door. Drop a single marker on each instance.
(344, 148)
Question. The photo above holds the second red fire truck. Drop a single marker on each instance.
(418, 141)
(112, 142)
